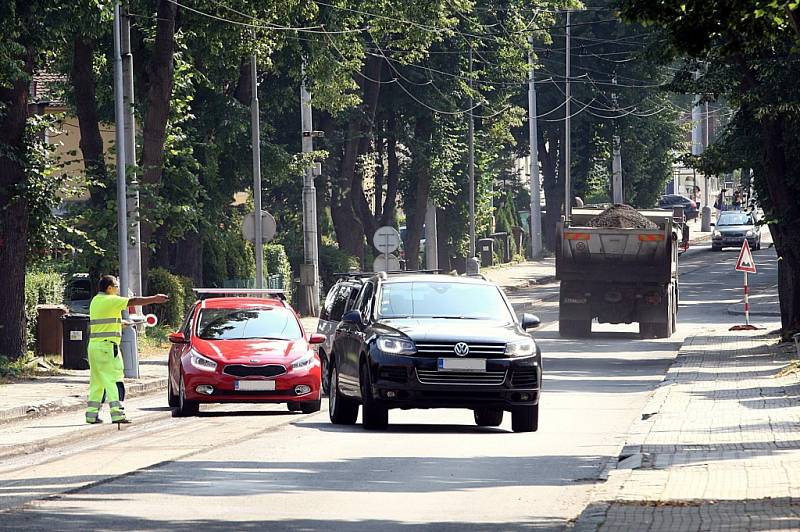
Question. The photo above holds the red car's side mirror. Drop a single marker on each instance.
(177, 338)
(315, 339)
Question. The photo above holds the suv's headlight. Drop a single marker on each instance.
(751, 233)
(303, 361)
(521, 348)
(396, 346)
(202, 363)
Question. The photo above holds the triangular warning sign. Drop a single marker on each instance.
(746, 262)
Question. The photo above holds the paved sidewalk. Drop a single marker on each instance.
(717, 448)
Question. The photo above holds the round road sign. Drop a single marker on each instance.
(380, 263)
(268, 227)
(386, 239)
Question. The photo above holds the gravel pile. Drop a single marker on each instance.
(622, 217)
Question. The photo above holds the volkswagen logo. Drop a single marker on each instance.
(461, 349)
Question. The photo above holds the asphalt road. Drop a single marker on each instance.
(259, 467)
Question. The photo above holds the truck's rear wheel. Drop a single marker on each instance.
(574, 328)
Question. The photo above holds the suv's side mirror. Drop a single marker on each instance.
(529, 321)
(177, 338)
(353, 316)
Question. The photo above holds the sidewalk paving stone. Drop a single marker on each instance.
(720, 441)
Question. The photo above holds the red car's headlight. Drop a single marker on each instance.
(202, 363)
(303, 361)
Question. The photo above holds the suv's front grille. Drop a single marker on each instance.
(240, 370)
(485, 378)
(483, 349)
(524, 378)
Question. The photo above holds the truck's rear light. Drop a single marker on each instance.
(651, 238)
(577, 236)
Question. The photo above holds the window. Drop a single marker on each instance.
(339, 304)
(431, 299)
(186, 328)
(365, 300)
(326, 308)
(252, 323)
(735, 218)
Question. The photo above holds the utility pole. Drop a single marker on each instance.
(616, 163)
(256, 141)
(309, 278)
(533, 136)
(128, 343)
(471, 166)
(697, 149)
(567, 135)
(130, 355)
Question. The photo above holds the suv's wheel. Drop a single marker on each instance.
(488, 417)
(342, 410)
(172, 399)
(525, 418)
(186, 407)
(324, 370)
(374, 416)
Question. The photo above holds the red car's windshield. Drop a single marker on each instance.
(245, 324)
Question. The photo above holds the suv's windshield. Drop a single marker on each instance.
(243, 324)
(431, 299)
(734, 218)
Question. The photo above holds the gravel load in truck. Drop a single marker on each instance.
(622, 217)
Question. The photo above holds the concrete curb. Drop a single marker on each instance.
(737, 309)
(66, 404)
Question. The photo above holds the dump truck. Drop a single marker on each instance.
(619, 275)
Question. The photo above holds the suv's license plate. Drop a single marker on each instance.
(462, 364)
(255, 386)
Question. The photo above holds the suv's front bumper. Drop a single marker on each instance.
(415, 382)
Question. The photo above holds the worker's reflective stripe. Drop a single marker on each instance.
(104, 321)
(115, 404)
(91, 415)
(117, 417)
(94, 404)
(105, 335)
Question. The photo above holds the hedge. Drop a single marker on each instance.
(333, 260)
(276, 262)
(161, 281)
(41, 288)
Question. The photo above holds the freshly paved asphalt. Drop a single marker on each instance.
(259, 467)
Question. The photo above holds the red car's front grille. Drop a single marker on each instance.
(241, 370)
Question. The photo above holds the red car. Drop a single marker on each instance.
(243, 350)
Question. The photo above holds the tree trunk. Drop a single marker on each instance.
(348, 228)
(415, 217)
(13, 214)
(159, 74)
(91, 142)
(189, 257)
(553, 193)
(389, 210)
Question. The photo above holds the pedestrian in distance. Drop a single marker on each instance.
(105, 334)
(736, 202)
(697, 197)
(720, 203)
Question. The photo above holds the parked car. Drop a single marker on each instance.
(79, 293)
(243, 350)
(339, 300)
(732, 228)
(669, 201)
(435, 341)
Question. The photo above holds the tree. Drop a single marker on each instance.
(750, 49)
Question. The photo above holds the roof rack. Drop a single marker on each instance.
(356, 275)
(207, 293)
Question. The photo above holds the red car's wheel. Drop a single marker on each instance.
(186, 407)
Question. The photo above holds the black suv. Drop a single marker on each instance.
(434, 341)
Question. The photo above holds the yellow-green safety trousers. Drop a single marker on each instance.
(104, 370)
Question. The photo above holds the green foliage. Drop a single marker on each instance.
(161, 281)
(277, 263)
(24, 366)
(333, 260)
(41, 288)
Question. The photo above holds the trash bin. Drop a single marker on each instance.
(76, 341)
(486, 251)
(48, 329)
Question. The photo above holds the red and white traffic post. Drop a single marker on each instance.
(747, 265)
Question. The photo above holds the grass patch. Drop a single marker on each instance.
(155, 340)
(25, 367)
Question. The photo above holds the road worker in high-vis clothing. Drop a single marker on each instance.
(105, 334)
